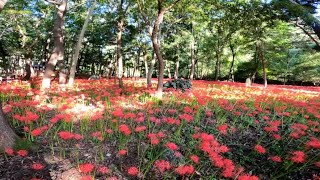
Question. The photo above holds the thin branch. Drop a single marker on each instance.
(307, 33)
(53, 2)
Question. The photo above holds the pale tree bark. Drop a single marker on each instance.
(176, 71)
(57, 55)
(193, 59)
(119, 43)
(150, 71)
(2, 3)
(78, 46)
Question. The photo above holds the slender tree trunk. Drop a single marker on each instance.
(145, 59)
(261, 57)
(176, 71)
(156, 49)
(217, 66)
(2, 3)
(57, 55)
(78, 46)
(7, 135)
(231, 70)
(150, 71)
(168, 69)
(193, 60)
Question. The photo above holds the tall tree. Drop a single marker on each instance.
(57, 55)
(78, 46)
(153, 31)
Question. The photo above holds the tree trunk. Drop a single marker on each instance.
(156, 49)
(261, 57)
(78, 46)
(2, 3)
(231, 70)
(176, 71)
(168, 69)
(57, 55)
(150, 71)
(193, 61)
(119, 44)
(7, 135)
(217, 66)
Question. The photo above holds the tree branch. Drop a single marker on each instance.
(307, 33)
(53, 2)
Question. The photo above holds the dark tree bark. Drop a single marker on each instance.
(263, 62)
(7, 135)
(27, 77)
(57, 55)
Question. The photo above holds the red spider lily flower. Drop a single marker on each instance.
(140, 128)
(38, 131)
(162, 165)
(86, 168)
(313, 143)
(109, 131)
(124, 129)
(65, 135)
(117, 113)
(276, 159)
(86, 178)
(9, 151)
(184, 170)
(298, 157)
(195, 159)
(35, 179)
(161, 134)
(133, 171)
(260, 149)
(122, 152)
(228, 169)
(208, 113)
(103, 170)
(223, 129)
(247, 177)
(77, 137)
(177, 154)
(186, 117)
(276, 136)
(22, 153)
(26, 129)
(317, 164)
(37, 166)
(172, 146)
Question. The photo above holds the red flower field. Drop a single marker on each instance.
(217, 130)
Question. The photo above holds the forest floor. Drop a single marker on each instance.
(216, 130)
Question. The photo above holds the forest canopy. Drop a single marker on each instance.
(218, 40)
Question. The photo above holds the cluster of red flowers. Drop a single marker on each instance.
(21, 152)
(184, 170)
(65, 135)
(124, 129)
(38, 131)
(162, 165)
(28, 118)
(86, 168)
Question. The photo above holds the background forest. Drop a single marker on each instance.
(215, 39)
